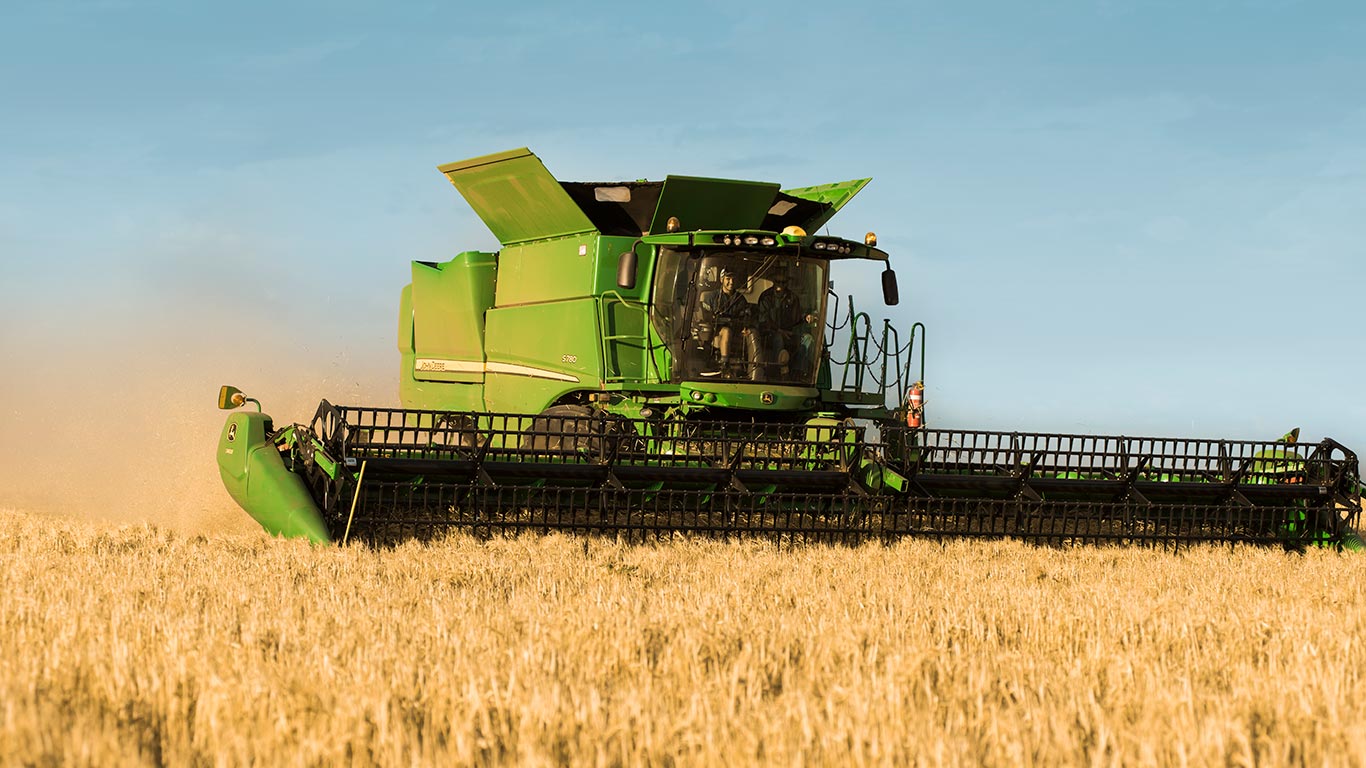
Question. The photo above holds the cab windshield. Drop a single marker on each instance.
(743, 316)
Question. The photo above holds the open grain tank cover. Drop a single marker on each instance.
(517, 197)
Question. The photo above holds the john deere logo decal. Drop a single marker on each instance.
(766, 398)
(232, 432)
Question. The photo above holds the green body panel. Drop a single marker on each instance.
(836, 195)
(447, 315)
(441, 332)
(547, 270)
(700, 203)
(565, 268)
(437, 395)
(877, 476)
(1272, 465)
(517, 197)
(628, 341)
(258, 480)
(539, 352)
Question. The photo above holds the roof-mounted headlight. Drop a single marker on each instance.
(767, 241)
(820, 246)
(751, 240)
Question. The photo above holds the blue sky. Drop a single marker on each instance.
(1142, 218)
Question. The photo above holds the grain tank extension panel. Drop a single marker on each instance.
(517, 197)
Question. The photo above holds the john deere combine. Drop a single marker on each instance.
(644, 358)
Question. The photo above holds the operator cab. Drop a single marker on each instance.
(741, 315)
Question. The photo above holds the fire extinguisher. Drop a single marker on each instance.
(915, 405)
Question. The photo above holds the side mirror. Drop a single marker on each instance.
(626, 269)
(890, 296)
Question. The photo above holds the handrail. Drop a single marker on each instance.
(648, 347)
(883, 362)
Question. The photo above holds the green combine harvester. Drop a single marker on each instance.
(642, 358)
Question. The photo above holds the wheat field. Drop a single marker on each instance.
(139, 645)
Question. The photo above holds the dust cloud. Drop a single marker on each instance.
(117, 420)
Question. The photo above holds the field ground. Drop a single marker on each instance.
(139, 645)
